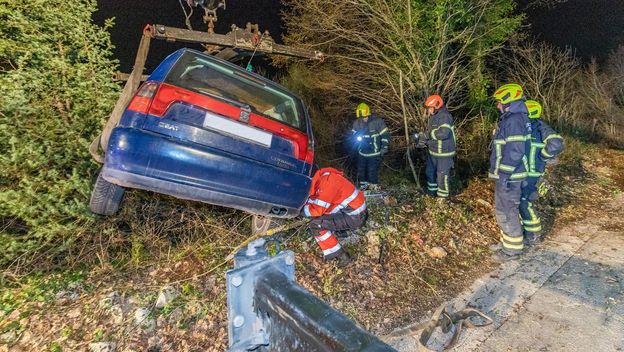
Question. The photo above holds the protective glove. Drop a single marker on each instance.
(551, 161)
(422, 140)
(542, 188)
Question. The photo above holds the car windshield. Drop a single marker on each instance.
(210, 77)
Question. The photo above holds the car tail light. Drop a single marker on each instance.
(143, 98)
(309, 155)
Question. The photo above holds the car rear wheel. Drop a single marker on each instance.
(105, 197)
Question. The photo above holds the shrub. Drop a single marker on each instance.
(56, 90)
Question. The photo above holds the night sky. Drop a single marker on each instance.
(591, 27)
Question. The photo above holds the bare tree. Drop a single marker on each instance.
(574, 97)
(435, 47)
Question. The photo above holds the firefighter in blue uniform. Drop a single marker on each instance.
(509, 166)
(372, 139)
(546, 145)
(440, 139)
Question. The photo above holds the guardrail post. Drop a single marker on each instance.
(268, 311)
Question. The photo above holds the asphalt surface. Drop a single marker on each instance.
(567, 294)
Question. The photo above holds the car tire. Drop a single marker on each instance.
(261, 224)
(106, 197)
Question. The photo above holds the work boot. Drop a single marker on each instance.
(501, 256)
(496, 247)
(532, 239)
(344, 259)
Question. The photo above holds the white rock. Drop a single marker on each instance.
(166, 296)
(143, 319)
(372, 244)
(437, 252)
(102, 347)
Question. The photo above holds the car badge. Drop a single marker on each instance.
(244, 114)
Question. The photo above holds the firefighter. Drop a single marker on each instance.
(440, 140)
(371, 136)
(509, 166)
(546, 145)
(335, 204)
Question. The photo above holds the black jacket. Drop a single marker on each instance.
(371, 136)
(441, 133)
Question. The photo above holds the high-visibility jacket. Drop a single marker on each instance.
(545, 144)
(374, 135)
(331, 193)
(511, 144)
(441, 134)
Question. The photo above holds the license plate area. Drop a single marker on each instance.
(235, 129)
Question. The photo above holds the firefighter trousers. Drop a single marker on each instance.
(368, 168)
(438, 171)
(531, 223)
(324, 226)
(507, 196)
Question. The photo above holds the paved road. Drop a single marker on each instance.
(565, 295)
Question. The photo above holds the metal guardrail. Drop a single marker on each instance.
(269, 311)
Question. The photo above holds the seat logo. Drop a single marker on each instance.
(168, 126)
(244, 114)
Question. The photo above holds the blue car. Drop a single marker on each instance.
(203, 129)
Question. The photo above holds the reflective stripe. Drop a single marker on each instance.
(510, 239)
(441, 154)
(513, 246)
(533, 229)
(321, 203)
(499, 141)
(518, 175)
(535, 174)
(358, 210)
(444, 125)
(552, 136)
(345, 202)
(384, 140)
(371, 154)
(332, 250)
(507, 168)
(306, 211)
(325, 173)
(531, 222)
(323, 237)
(516, 138)
(546, 154)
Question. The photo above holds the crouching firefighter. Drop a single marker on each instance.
(371, 136)
(509, 166)
(546, 145)
(440, 139)
(335, 204)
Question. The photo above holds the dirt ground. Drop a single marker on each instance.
(424, 254)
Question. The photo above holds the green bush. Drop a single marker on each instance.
(56, 90)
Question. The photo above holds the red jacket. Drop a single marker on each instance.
(331, 193)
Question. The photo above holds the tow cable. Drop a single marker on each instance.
(452, 323)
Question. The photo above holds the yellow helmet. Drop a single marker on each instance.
(535, 109)
(362, 110)
(508, 93)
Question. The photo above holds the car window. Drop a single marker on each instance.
(210, 77)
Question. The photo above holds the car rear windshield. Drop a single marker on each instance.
(232, 84)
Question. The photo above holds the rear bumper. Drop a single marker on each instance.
(149, 161)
